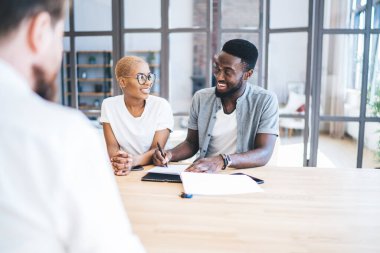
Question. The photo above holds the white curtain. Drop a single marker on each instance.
(337, 66)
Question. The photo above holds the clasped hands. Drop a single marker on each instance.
(122, 163)
(204, 165)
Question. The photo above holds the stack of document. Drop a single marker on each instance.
(217, 184)
(203, 183)
(172, 169)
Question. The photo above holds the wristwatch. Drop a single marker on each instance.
(227, 161)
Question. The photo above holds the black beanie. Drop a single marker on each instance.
(242, 49)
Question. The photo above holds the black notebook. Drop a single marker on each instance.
(159, 177)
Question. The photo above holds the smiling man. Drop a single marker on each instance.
(233, 124)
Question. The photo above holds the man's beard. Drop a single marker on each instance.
(44, 87)
(230, 92)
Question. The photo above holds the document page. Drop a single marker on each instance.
(173, 169)
(217, 184)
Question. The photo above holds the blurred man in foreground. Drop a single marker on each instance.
(57, 191)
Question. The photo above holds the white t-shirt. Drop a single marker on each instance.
(135, 135)
(224, 134)
(57, 190)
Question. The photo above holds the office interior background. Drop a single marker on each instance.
(320, 57)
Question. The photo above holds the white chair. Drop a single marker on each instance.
(295, 105)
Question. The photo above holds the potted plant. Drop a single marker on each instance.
(91, 59)
(375, 109)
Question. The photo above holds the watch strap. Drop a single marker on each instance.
(227, 161)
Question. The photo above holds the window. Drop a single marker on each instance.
(323, 69)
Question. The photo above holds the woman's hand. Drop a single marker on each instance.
(122, 163)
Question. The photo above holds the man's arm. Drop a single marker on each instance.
(259, 156)
(184, 150)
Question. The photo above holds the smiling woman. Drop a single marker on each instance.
(135, 122)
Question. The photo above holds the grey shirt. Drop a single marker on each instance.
(256, 112)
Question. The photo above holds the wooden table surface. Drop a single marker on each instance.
(300, 210)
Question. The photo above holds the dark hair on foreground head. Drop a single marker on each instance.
(243, 49)
(13, 12)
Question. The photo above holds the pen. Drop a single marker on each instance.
(162, 153)
(186, 195)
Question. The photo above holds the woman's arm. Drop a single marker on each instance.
(111, 142)
(160, 136)
(121, 160)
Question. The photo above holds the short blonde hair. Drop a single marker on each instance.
(125, 65)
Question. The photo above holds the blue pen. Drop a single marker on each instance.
(186, 195)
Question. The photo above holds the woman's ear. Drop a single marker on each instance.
(121, 82)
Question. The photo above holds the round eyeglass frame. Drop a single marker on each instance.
(142, 78)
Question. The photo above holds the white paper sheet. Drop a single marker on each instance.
(173, 169)
(217, 184)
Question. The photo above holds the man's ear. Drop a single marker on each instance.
(39, 32)
(248, 74)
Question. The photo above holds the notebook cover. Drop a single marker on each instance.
(158, 177)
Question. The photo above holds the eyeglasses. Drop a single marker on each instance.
(226, 71)
(142, 78)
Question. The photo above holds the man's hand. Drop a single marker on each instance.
(160, 160)
(209, 165)
(122, 163)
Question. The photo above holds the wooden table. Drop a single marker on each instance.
(300, 210)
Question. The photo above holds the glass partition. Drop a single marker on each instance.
(287, 70)
(288, 14)
(342, 63)
(371, 152)
(338, 144)
(93, 15)
(344, 14)
(64, 76)
(373, 91)
(187, 68)
(148, 47)
(375, 15)
(94, 73)
(248, 9)
(142, 14)
(195, 15)
(67, 18)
